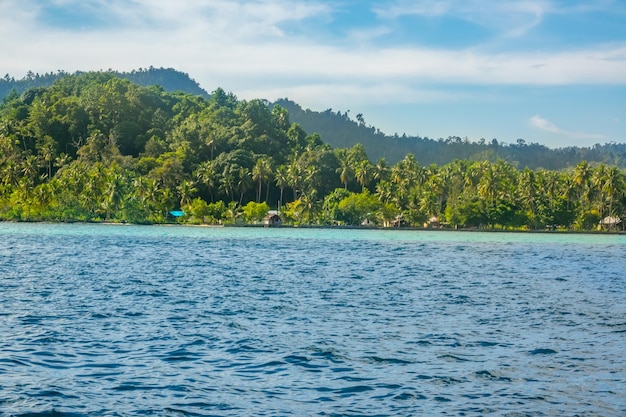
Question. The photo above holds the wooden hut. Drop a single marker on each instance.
(610, 222)
(272, 219)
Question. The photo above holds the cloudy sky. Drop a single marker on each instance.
(547, 71)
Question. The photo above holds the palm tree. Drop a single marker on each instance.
(582, 176)
(43, 194)
(437, 185)
(207, 176)
(379, 171)
(384, 191)
(597, 181)
(474, 173)
(228, 183)
(346, 174)
(308, 206)
(281, 179)
(166, 200)
(10, 173)
(262, 171)
(612, 185)
(488, 188)
(363, 173)
(112, 192)
(186, 189)
(244, 182)
(30, 168)
(294, 177)
(62, 160)
(528, 192)
(47, 154)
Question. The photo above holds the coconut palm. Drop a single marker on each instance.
(527, 189)
(582, 177)
(244, 182)
(281, 179)
(346, 173)
(612, 186)
(186, 190)
(262, 171)
(228, 183)
(362, 173)
(206, 175)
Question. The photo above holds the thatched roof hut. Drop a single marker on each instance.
(610, 222)
(272, 219)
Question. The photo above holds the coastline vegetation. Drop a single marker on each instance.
(97, 147)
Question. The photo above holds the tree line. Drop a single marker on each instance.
(97, 147)
(340, 131)
(168, 78)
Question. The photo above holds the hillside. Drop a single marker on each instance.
(168, 78)
(97, 147)
(338, 130)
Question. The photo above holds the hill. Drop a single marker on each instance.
(339, 131)
(168, 78)
(97, 147)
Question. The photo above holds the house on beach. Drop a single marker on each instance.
(272, 219)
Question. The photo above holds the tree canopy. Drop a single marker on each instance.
(98, 147)
(340, 131)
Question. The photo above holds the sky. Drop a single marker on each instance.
(546, 71)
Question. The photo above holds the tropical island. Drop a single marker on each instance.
(111, 147)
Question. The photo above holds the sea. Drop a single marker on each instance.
(125, 320)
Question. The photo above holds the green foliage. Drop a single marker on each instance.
(331, 212)
(97, 147)
(359, 208)
(588, 220)
(255, 212)
(340, 131)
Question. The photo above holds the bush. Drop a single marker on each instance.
(255, 212)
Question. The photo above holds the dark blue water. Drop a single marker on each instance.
(102, 320)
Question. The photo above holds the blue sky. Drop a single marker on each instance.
(546, 71)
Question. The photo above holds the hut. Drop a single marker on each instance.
(610, 222)
(272, 219)
(433, 222)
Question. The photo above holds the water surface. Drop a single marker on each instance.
(102, 320)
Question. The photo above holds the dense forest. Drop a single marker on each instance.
(340, 131)
(98, 147)
(168, 78)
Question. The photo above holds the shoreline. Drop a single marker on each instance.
(407, 229)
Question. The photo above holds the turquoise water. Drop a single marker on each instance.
(173, 321)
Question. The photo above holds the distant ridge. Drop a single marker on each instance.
(168, 78)
(340, 131)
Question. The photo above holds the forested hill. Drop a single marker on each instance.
(96, 147)
(340, 131)
(168, 78)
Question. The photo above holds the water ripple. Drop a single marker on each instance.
(173, 321)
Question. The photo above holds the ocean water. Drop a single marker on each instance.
(103, 320)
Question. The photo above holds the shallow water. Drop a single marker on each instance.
(101, 320)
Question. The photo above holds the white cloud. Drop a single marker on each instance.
(506, 18)
(244, 39)
(544, 125)
(511, 18)
(244, 47)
